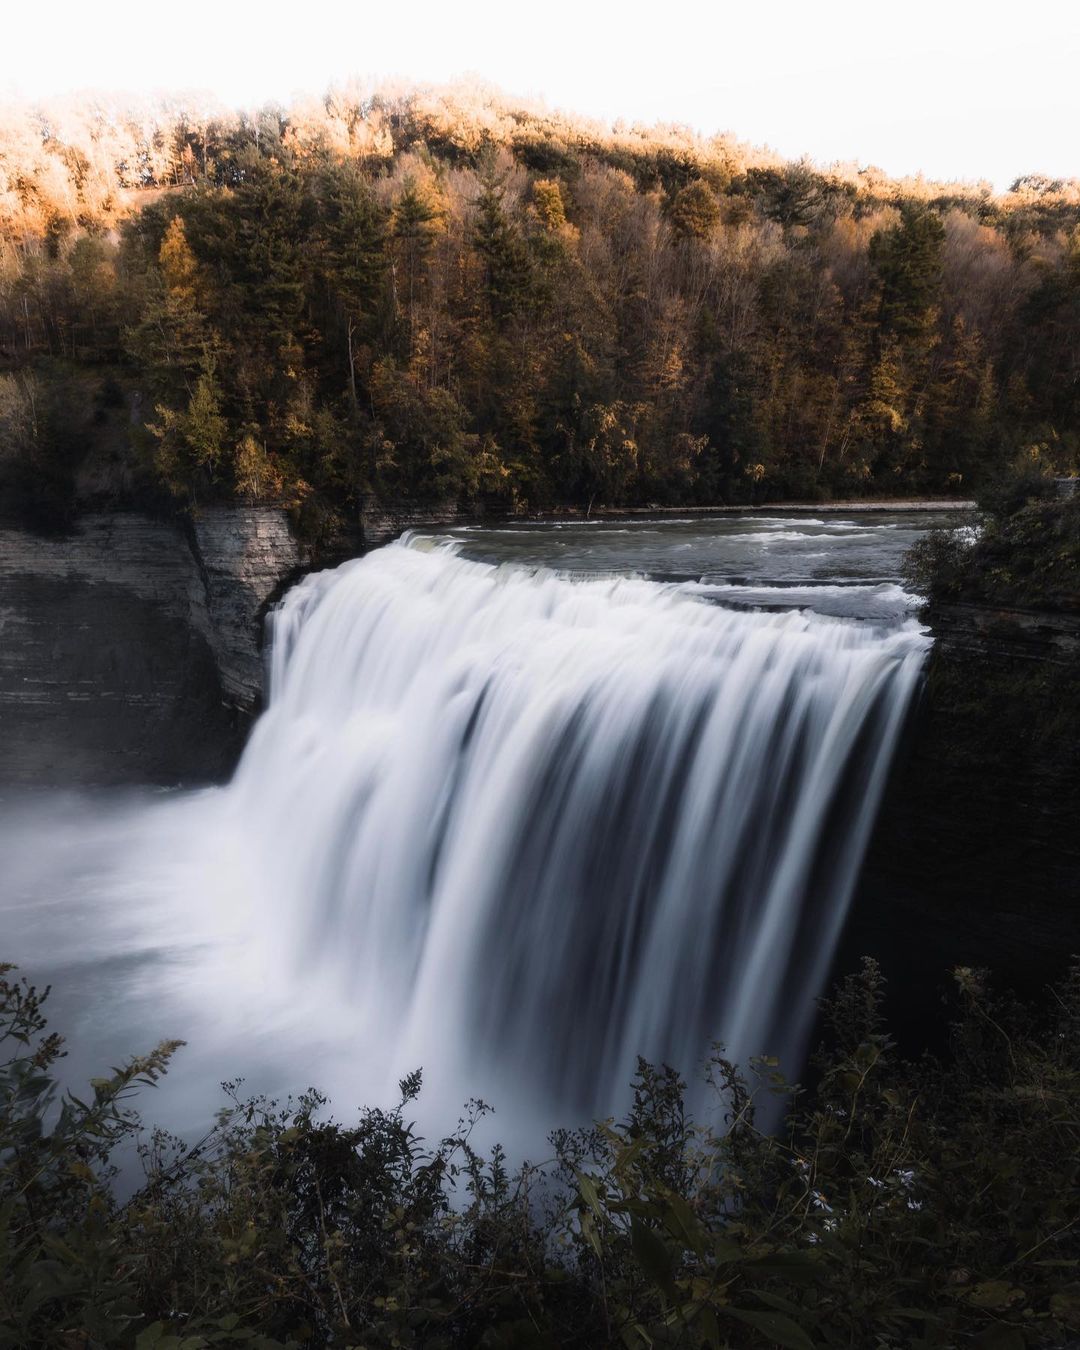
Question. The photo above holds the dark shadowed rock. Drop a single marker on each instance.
(130, 647)
(976, 856)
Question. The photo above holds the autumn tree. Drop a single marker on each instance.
(695, 211)
(503, 258)
(413, 235)
(907, 261)
(191, 441)
(354, 231)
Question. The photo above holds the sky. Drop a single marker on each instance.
(951, 88)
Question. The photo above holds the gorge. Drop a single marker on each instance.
(665, 782)
(539, 681)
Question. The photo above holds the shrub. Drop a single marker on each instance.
(1025, 549)
(904, 1204)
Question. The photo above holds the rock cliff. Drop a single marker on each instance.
(129, 647)
(245, 556)
(382, 522)
(976, 857)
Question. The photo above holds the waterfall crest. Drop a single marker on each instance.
(530, 827)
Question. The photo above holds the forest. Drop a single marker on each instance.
(449, 296)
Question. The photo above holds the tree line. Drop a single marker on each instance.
(450, 296)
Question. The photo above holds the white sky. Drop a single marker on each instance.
(954, 88)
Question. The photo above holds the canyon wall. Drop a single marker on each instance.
(129, 645)
(976, 856)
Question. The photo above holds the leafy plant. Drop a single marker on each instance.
(933, 1203)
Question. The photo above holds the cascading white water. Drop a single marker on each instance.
(528, 828)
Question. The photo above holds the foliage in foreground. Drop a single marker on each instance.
(934, 1203)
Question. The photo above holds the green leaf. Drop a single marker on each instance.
(783, 1304)
(587, 1188)
(779, 1329)
(630, 1154)
(795, 1265)
(995, 1294)
(684, 1225)
(588, 1227)
(710, 1328)
(652, 1255)
(724, 1250)
(519, 1334)
(1066, 1305)
(915, 1314)
(1001, 1337)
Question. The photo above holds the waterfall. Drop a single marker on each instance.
(527, 827)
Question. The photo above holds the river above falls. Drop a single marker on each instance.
(846, 565)
(489, 754)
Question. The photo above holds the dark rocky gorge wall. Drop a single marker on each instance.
(976, 856)
(129, 647)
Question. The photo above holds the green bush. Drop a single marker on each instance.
(904, 1204)
(1024, 549)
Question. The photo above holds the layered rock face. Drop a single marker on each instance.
(382, 522)
(245, 557)
(129, 647)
